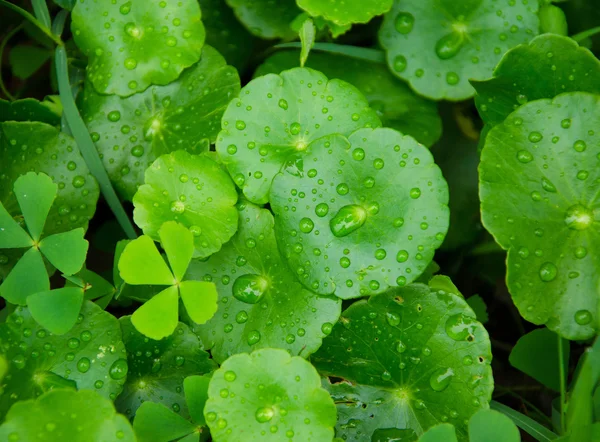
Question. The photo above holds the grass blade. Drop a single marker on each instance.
(85, 143)
(40, 9)
(372, 55)
(33, 20)
(528, 425)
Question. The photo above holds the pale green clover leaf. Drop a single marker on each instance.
(130, 133)
(439, 45)
(157, 368)
(539, 186)
(348, 12)
(413, 357)
(544, 68)
(66, 251)
(156, 423)
(268, 19)
(141, 264)
(268, 395)
(54, 415)
(395, 103)
(278, 116)
(193, 190)
(132, 45)
(359, 215)
(484, 426)
(257, 293)
(91, 356)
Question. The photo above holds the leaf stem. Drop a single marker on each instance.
(10, 35)
(40, 10)
(367, 54)
(586, 34)
(85, 143)
(561, 372)
(33, 20)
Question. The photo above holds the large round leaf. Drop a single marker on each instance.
(356, 216)
(157, 368)
(278, 116)
(261, 304)
(66, 416)
(267, 18)
(438, 45)
(268, 395)
(91, 356)
(395, 103)
(347, 12)
(131, 45)
(410, 358)
(193, 190)
(130, 133)
(549, 65)
(539, 188)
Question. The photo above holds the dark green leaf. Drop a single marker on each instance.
(27, 277)
(25, 60)
(266, 18)
(196, 394)
(479, 307)
(157, 423)
(29, 109)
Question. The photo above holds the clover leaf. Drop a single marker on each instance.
(193, 190)
(278, 116)
(66, 251)
(268, 395)
(395, 103)
(91, 356)
(438, 45)
(141, 264)
(131, 45)
(352, 11)
(484, 426)
(409, 358)
(257, 292)
(55, 415)
(30, 109)
(157, 423)
(266, 18)
(544, 68)
(157, 368)
(356, 216)
(539, 186)
(130, 133)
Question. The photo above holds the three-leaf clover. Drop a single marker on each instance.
(409, 358)
(357, 215)
(438, 45)
(142, 264)
(66, 251)
(268, 395)
(539, 189)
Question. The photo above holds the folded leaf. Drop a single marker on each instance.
(140, 263)
(29, 276)
(200, 299)
(156, 423)
(178, 243)
(11, 234)
(35, 194)
(196, 394)
(56, 310)
(158, 317)
(66, 251)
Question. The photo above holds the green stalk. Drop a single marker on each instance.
(40, 10)
(563, 393)
(586, 34)
(528, 425)
(85, 143)
(33, 20)
(367, 54)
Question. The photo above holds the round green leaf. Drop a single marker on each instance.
(267, 18)
(268, 395)
(548, 65)
(278, 116)
(130, 133)
(30, 109)
(257, 293)
(192, 190)
(91, 356)
(157, 368)
(132, 45)
(395, 103)
(539, 186)
(357, 216)
(348, 12)
(55, 415)
(438, 45)
(410, 358)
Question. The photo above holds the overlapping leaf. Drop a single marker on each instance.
(351, 11)
(267, 18)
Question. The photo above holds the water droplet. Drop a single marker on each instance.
(392, 318)
(358, 154)
(326, 328)
(524, 156)
(249, 288)
(404, 22)
(118, 369)
(459, 327)
(125, 8)
(130, 63)
(137, 151)
(400, 63)
(253, 337)
(402, 256)
(386, 376)
(441, 378)
(535, 137)
(548, 186)
(240, 125)
(283, 104)
(578, 217)
(452, 78)
(347, 220)
(580, 252)
(230, 376)
(583, 317)
(579, 145)
(114, 116)
(78, 181)
(241, 317)
(264, 414)
(306, 225)
(415, 193)
(449, 45)
(566, 123)
(177, 207)
(295, 128)
(401, 347)
(83, 365)
(548, 272)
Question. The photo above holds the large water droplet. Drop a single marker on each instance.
(449, 45)
(404, 22)
(548, 186)
(578, 217)
(264, 414)
(347, 220)
(250, 288)
(440, 379)
(583, 317)
(392, 318)
(118, 370)
(548, 272)
(459, 327)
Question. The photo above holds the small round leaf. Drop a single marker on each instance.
(278, 116)
(411, 358)
(438, 45)
(268, 395)
(351, 11)
(130, 133)
(91, 356)
(357, 216)
(267, 18)
(539, 186)
(192, 190)
(257, 293)
(132, 45)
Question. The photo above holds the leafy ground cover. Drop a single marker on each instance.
(299, 220)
